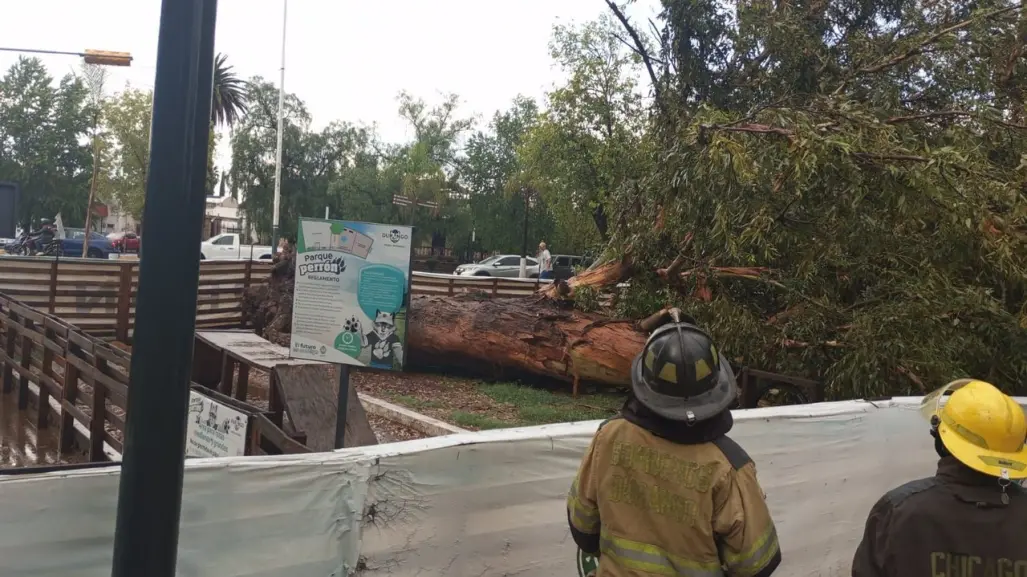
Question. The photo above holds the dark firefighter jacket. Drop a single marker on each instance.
(684, 501)
(954, 524)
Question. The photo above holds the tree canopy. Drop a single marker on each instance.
(839, 189)
(835, 189)
(44, 147)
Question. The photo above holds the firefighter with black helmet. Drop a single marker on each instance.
(662, 490)
(970, 518)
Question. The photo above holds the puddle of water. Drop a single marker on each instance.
(20, 443)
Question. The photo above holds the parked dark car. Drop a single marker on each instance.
(565, 265)
(74, 238)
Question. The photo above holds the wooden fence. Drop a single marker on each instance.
(79, 383)
(447, 284)
(73, 378)
(98, 296)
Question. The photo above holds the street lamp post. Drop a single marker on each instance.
(99, 57)
(281, 122)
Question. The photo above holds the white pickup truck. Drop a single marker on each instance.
(227, 247)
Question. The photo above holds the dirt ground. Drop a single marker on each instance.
(475, 405)
(387, 431)
(391, 432)
(467, 403)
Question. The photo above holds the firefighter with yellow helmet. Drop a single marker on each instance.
(662, 490)
(970, 518)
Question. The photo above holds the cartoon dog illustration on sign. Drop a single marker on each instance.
(385, 345)
(212, 416)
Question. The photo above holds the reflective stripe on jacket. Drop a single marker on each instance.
(662, 508)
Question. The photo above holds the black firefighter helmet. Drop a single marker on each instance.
(680, 375)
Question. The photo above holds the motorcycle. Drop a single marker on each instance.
(54, 248)
(37, 242)
(16, 245)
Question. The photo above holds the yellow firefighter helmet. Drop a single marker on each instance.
(981, 426)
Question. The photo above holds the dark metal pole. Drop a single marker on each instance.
(150, 494)
(342, 407)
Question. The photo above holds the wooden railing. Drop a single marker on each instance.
(447, 284)
(425, 252)
(79, 383)
(98, 296)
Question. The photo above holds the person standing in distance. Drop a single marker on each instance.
(970, 518)
(545, 262)
(662, 490)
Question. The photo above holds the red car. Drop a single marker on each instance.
(125, 241)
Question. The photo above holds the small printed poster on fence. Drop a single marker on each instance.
(351, 293)
(215, 429)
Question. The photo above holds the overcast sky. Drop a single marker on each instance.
(347, 59)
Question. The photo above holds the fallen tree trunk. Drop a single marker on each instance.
(491, 337)
(522, 335)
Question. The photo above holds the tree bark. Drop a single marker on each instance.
(536, 336)
(521, 335)
(598, 277)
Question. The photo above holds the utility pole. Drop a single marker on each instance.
(281, 123)
(150, 490)
(96, 78)
(92, 187)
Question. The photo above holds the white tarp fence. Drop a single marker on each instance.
(471, 505)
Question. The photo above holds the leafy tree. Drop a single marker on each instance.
(128, 116)
(363, 191)
(427, 169)
(436, 128)
(312, 162)
(488, 173)
(44, 144)
(589, 141)
(838, 188)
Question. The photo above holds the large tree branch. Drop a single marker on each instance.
(921, 46)
(750, 127)
(631, 46)
(641, 50)
(937, 115)
(940, 114)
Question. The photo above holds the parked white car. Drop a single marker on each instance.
(227, 247)
(502, 265)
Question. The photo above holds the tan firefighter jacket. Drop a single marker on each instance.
(664, 508)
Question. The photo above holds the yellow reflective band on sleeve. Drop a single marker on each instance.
(583, 517)
(647, 558)
(751, 562)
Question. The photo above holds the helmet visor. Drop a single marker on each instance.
(931, 404)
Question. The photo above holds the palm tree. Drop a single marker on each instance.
(229, 94)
